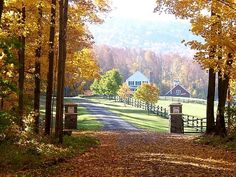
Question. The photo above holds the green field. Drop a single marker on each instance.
(135, 116)
(194, 109)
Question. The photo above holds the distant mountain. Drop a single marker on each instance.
(158, 36)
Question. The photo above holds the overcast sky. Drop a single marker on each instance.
(139, 9)
(137, 16)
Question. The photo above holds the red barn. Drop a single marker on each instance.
(178, 91)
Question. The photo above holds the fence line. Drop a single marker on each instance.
(158, 110)
(185, 100)
(191, 124)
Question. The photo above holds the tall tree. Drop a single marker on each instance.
(37, 69)
(21, 71)
(210, 113)
(1, 9)
(63, 9)
(218, 38)
(223, 87)
(48, 113)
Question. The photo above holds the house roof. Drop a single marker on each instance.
(178, 85)
(138, 76)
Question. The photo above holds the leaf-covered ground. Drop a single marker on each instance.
(149, 154)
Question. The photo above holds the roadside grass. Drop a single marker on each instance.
(87, 122)
(135, 116)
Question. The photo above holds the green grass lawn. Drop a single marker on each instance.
(136, 116)
(194, 109)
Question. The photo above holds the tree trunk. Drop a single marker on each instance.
(210, 102)
(63, 5)
(220, 119)
(37, 74)
(211, 82)
(1, 104)
(223, 87)
(21, 55)
(1, 9)
(229, 109)
(48, 115)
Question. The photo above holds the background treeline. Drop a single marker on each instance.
(162, 69)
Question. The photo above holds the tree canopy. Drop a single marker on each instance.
(148, 93)
(110, 82)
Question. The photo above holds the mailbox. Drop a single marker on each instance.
(71, 116)
(176, 118)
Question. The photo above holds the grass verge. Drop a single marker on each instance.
(86, 121)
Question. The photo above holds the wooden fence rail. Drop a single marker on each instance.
(158, 110)
(192, 124)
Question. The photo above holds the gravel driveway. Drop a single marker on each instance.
(110, 121)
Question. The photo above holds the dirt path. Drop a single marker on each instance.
(139, 153)
(149, 154)
(110, 121)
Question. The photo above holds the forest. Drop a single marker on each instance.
(162, 69)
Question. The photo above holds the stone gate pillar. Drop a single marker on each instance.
(176, 118)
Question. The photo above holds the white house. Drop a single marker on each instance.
(136, 80)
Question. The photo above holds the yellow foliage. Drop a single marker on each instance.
(148, 93)
(214, 22)
(124, 91)
(81, 67)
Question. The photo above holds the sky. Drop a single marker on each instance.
(138, 9)
(148, 30)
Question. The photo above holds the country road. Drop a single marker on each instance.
(110, 121)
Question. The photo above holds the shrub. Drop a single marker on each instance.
(8, 128)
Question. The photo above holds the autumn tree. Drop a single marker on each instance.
(124, 92)
(89, 10)
(81, 68)
(37, 74)
(32, 25)
(147, 93)
(216, 29)
(21, 71)
(50, 72)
